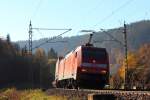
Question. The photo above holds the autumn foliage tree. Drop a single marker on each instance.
(138, 69)
(144, 66)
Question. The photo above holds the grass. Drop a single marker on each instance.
(37, 94)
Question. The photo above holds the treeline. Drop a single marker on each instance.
(21, 70)
(138, 73)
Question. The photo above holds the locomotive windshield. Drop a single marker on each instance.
(94, 55)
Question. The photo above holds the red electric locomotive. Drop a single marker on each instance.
(86, 67)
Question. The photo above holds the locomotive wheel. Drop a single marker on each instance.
(75, 84)
(71, 84)
(67, 84)
(61, 84)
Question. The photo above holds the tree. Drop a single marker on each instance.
(8, 38)
(138, 68)
(117, 81)
(40, 60)
(40, 54)
(144, 65)
(52, 54)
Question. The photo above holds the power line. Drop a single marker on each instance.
(36, 9)
(58, 41)
(51, 39)
(90, 11)
(98, 5)
(114, 12)
(30, 28)
(100, 41)
(40, 33)
(49, 29)
(107, 33)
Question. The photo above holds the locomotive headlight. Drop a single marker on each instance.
(83, 70)
(103, 72)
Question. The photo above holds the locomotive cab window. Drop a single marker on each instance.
(96, 55)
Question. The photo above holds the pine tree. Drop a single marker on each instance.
(8, 38)
(52, 54)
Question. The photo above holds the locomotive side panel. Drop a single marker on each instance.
(68, 67)
(79, 57)
(61, 68)
(77, 61)
(74, 64)
(72, 61)
(57, 69)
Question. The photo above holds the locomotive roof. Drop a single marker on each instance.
(76, 49)
(82, 46)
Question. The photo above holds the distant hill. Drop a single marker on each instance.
(138, 34)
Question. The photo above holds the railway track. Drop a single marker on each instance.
(83, 93)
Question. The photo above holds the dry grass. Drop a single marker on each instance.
(13, 94)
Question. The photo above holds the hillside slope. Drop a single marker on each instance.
(138, 34)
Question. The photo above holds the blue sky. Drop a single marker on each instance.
(76, 14)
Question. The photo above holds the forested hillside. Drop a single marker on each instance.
(138, 34)
(21, 70)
